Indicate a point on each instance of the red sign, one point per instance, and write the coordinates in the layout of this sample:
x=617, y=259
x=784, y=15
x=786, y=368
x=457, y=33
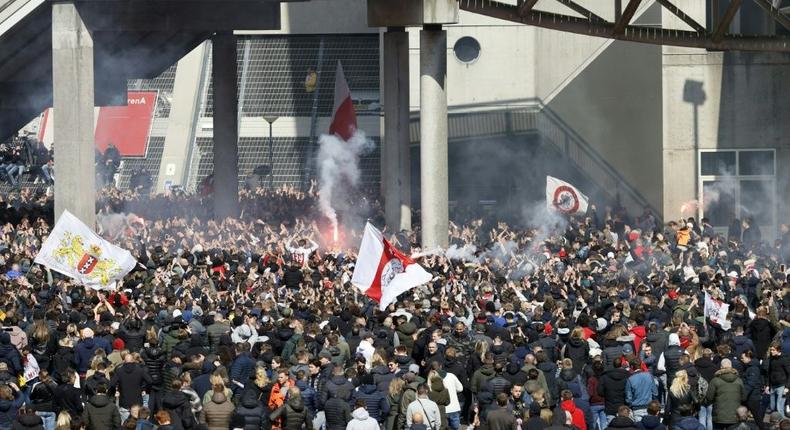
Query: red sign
x=127, y=127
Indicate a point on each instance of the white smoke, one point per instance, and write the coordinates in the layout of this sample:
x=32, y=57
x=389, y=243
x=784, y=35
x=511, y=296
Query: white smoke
x=338, y=166
x=462, y=253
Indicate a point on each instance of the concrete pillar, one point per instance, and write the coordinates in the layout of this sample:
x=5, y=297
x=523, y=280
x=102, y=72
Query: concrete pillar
x=184, y=111
x=226, y=134
x=433, y=132
x=395, y=157
x=73, y=101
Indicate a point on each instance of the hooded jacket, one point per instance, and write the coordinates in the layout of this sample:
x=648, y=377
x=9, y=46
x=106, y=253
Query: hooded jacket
x=154, y=358
x=650, y=422
x=725, y=393
x=101, y=414
x=217, y=412
x=611, y=387
x=10, y=355
x=295, y=415
x=29, y=422
x=180, y=409
x=8, y=410
x=577, y=415
x=85, y=351
x=131, y=379
x=361, y=420
x=578, y=350
x=622, y=423
x=481, y=376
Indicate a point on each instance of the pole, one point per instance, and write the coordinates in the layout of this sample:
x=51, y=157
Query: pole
x=271, y=158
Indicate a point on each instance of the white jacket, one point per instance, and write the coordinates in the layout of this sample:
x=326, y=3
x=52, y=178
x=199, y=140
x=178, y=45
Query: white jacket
x=361, y=420
x=367, y=350
x=454, y=386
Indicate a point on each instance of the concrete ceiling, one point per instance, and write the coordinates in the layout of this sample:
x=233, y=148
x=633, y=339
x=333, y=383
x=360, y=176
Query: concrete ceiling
x=133, y=39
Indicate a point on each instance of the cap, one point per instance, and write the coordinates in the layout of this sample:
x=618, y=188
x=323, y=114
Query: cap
x=408, y=377
x=118, y=344
x=414, y=368
x=325, y=354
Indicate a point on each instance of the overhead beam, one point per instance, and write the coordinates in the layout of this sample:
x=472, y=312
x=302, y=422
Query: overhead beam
x=526, y=6
x=633, y=33
x=581, y=10
x=775, y=13
x=682, y=15
x=174, y=15
x=724, y=24
x=628, y=14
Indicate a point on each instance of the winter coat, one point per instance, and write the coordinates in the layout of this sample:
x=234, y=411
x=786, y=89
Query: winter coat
x=502, y=419
x=9, y=409
x=392, y=418
x=672, y=410
x=131, y=379
x=577, y=415
x=752, y=379
x=514, y=374
x=294, y=414
x=742, y=344
x=63, y=360
x=650, y=422
x=361, y=420
x=762, y=333
x=154, y=358
x=29, y=422
x=622, y=423
x=133, y=339
x=481, y=376
x=611, y=387
x=85, y=351
x=217, y=412
x=338, y=386
x=441, y=396
x=382, y=377
x=725, y=393
x=42, y=396
x=658, y=340
x=578, y=350
x=69, y=398
x=241, y=369
x=215, y=332
x=706, y=368
x=10, y=355
x=778, y=370
x=498, y=384
x=535, y=423
x=101, y=414
x=689, y=423
x=375, y=401
x=337, y=413
x=255, y=417
x=180, y=409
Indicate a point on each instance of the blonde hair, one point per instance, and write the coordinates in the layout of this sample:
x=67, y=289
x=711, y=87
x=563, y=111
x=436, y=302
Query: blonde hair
x=396, y=387
x=546, y=415
x=63, y=422
x=261, y=379
x=216, y=379
x=680, y=385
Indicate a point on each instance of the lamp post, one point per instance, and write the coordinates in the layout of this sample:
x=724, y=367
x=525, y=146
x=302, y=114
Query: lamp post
x=270, y=119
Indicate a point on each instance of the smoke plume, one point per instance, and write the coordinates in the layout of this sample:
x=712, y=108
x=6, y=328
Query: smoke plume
x=338, y=167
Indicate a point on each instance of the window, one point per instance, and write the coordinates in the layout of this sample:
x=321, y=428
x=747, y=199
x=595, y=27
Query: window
x=736, y=184
x=467, y=49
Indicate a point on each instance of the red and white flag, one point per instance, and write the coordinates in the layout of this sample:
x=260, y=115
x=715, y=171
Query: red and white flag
x=344, y=119
x=382, y=272
x=564, y=197
x=716, y=310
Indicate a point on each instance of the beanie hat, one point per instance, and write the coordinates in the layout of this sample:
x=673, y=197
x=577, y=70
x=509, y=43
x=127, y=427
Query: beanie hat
x=118, y=344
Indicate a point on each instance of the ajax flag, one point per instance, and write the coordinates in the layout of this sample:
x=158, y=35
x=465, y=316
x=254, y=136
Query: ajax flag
x=717, y=311
x=76, y=251
x=382, y=272
x=564, y=197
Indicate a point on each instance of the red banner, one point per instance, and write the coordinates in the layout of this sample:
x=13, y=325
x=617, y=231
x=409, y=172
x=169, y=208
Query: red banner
x=127, y=127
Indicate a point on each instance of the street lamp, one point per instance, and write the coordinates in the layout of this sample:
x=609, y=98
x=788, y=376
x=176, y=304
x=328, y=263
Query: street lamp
x=270, y=119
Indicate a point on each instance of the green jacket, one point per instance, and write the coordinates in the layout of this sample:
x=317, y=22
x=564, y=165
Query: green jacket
x=481, y=376
x=725, y=393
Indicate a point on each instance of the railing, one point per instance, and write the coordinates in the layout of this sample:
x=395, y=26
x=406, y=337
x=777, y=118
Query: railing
x=532, y=116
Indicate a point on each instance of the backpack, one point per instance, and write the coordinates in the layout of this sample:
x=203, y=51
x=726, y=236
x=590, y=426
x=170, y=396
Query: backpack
x=702, y=390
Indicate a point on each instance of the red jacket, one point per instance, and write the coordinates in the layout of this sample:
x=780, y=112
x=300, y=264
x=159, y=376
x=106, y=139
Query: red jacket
x=577, y=415
x=639, y=333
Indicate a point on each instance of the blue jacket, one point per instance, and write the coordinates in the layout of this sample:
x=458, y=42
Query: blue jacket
x=242, y=368
x=375, y=401
x=85, y=350
x=640, y=390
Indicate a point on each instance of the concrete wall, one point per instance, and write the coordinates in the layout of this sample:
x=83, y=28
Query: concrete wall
x=742, y=102
x=615, y=105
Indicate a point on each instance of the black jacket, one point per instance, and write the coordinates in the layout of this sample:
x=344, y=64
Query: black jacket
x=778, y=370
x=131, y=379
x=69, y=399
x=101, y=414
x=253, y=412
x=612, y=388
x=154, y=359
x=338, y=414
x=177, y=403
x=42, y=396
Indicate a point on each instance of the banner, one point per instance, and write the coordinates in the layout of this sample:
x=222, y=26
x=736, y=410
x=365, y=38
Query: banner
x=76, y=251
x=126, y=127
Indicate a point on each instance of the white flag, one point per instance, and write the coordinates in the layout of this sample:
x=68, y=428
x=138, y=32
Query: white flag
x=76, y=251
x=564, y=197
x=717, y=311
x=382, y=272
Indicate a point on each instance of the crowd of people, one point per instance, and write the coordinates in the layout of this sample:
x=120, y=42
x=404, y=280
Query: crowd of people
x=26, y=155
x=581, y=323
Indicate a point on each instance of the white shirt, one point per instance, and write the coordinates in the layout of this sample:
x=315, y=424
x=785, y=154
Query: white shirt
x=300, y=255
x=367, y=351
